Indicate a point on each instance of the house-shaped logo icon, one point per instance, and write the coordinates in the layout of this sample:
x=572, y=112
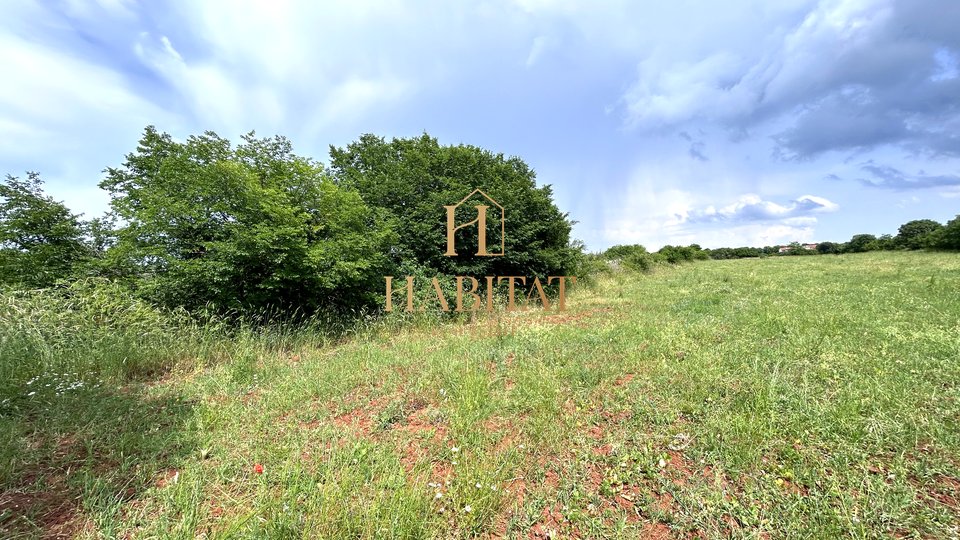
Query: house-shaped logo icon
x=480, y=222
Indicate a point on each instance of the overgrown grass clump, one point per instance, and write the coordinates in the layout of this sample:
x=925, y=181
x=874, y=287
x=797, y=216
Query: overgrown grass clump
x=91, y=329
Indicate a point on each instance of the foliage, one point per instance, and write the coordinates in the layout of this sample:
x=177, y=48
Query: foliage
x=643, y=262
x=917, y=234
x=679, y=254
x=829, y=248
x=242, y=229
x=949, y=236
x=41, y=241
x=623, y=252
x=860, y=243
x=412, y=179
x=735, y=253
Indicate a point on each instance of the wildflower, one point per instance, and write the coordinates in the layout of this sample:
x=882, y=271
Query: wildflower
x=662, y=463
x=455, y=449
x=479, y=485
x=493, y=487
x=468, y=509
x=454, y=462
x=438, y=495
x=258, y=468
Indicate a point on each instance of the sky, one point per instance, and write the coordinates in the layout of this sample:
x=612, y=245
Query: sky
x=743, y=122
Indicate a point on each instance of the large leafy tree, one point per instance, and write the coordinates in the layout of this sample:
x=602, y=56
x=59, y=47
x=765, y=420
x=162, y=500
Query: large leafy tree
x=247, y=227
x=917, y=233
x=41, y=241
x=949, y=236
x=862, y=242
x=413, y=179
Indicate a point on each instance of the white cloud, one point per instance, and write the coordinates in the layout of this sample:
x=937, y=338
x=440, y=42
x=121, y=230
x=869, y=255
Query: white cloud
x=753, y=208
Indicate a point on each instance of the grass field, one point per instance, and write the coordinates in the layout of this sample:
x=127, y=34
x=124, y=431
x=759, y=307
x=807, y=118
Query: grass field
x=788, y=397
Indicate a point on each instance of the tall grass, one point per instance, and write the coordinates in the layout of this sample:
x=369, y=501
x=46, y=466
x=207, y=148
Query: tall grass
x=95, y=330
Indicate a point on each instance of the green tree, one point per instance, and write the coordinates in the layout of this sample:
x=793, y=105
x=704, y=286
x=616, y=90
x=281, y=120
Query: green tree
x=412, y=179
x=828, y=247
x=41, y=241
x=949, y=236
x=917, y=234
x=861, y=243
x=242, y=228
x=884, y=242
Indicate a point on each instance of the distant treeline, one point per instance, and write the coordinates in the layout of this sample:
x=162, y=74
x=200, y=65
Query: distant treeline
x=917, y=234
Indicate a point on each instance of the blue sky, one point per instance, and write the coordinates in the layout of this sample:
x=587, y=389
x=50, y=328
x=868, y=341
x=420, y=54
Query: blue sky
x=746, y=122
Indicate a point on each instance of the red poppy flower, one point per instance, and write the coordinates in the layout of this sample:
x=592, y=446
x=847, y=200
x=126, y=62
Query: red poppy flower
x=258, y=468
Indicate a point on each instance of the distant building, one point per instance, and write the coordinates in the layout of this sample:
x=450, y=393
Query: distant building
x=786, y=249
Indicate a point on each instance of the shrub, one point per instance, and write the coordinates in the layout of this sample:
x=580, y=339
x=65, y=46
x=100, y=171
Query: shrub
x=643, y=262
x=621, y=252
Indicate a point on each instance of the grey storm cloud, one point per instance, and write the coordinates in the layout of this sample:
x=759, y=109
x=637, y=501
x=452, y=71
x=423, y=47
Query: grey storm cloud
x=849, y=75
x=752, y=208
x=883, y=176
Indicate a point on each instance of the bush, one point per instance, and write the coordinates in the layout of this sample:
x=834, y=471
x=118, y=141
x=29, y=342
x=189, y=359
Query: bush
x=591, y=267
x=679, y=254
x=621, y=252
x=642, y=262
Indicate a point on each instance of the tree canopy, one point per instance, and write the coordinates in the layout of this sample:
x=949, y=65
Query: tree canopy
x=241, y=228
x=917, y=233
x=412, y=179
x=41, y=241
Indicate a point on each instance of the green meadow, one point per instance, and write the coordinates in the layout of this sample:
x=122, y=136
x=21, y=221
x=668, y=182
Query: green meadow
x=783, y=397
